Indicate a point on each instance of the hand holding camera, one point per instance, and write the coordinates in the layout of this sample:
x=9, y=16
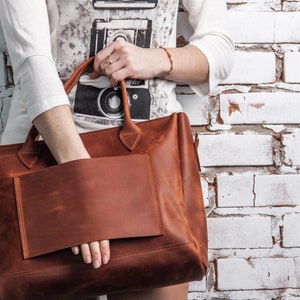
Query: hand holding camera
x=117, y=61
x=121, y=60
x=122, y=51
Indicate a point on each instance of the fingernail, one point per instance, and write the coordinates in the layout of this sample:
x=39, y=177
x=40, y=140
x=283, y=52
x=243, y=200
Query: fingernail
x=105, y=259
x=87, y=259
x=96, y=264
x=75, y=250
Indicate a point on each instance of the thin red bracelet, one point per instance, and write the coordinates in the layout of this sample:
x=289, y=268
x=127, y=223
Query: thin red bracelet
x=171, y=62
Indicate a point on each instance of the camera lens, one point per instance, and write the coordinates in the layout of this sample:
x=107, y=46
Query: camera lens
x=126, y=35
x=110, y=103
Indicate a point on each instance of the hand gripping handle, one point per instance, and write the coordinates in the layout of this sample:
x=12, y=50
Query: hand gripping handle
x=130, y=133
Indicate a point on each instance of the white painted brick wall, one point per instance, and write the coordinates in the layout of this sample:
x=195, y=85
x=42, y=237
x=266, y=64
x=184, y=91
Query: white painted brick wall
x=252, y=27
x=197, y=107
x=291, y=230
x=253, y=67
x=239, y=232
x=226, y=150
x=292, y=67
x=265, y=27
x=260, y=108
x=287, y=27
x=258, y=190
x=291, y=143
x=262, y=273
x=277, y=190
x=235, y=191
x=249, y=152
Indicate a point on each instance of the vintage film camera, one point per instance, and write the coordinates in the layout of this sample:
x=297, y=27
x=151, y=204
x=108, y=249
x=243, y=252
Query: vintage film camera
x=137, y=32
x=101, y=100
x=125, y=4
x=106, y=103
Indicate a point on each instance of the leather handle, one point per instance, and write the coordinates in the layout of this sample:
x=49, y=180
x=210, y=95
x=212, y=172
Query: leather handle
x=130, y=133
x=74, y=78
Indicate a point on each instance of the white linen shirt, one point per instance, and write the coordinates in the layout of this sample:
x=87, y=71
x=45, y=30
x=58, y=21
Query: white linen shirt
x=32, y=29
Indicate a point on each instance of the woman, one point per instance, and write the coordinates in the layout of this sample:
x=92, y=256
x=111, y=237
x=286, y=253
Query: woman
x=133, y=40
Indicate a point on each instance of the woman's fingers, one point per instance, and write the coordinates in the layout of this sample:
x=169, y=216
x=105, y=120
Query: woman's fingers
x=105, y=251
x=121, y=60
x=76, y=250
x=95, y=253
x=86, y=253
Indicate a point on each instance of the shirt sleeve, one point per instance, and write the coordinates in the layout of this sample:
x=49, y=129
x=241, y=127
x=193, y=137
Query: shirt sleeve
x=28, y=37
x=208, y=19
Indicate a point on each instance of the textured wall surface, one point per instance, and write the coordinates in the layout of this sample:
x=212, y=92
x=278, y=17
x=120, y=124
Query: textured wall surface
x=249, y=151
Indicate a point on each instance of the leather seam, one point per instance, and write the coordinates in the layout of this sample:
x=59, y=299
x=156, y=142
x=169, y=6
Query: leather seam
x=21, y=217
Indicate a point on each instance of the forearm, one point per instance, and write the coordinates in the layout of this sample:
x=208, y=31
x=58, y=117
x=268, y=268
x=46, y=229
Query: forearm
x=57, y=128
x=190, y=65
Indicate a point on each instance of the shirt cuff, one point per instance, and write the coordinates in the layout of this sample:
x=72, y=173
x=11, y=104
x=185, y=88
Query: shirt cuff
x=40, y=86
x=35, y=110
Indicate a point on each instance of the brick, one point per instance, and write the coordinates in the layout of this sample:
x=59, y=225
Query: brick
x=291, y=6
x=235, y=150
x=253, y=67
x=255, y=5
x=287, y=27
x=277, y=190
x=235, y=191
x=291, y=143
x=292, y=67
x=291, y=229
x=265, y=27
x=255, y=274
x=239, y=232
x=257, y=108
x=196, y=107
x=204, y=187
x=252, y=27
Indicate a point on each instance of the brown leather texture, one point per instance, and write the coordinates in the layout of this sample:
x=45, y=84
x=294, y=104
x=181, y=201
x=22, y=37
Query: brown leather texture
x=156, y=168
x=68, y=196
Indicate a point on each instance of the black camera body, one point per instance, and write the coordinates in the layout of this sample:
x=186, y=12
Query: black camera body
x=124, y=4
x=137, y=32
x=103, y=101
x=106, y=103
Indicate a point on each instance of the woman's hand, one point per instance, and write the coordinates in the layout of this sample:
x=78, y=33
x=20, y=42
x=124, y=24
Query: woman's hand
x=95, y=253
x=121, y=60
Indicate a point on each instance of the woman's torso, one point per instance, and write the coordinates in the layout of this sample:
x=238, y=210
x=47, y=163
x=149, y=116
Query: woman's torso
x=85, y=28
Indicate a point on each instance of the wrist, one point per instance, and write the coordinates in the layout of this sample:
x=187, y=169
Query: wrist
x=168, y=63
x=70, y=154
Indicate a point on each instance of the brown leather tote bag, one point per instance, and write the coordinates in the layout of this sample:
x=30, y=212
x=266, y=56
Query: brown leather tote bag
x=141, y=190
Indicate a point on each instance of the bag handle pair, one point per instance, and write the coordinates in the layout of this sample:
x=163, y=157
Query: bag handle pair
x=130, y=134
